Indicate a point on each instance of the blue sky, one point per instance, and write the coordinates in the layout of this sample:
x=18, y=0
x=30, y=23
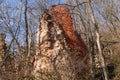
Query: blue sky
x=16, y=2
x=61, y=1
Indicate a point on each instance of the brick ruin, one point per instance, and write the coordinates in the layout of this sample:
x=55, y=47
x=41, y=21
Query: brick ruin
x=61, y=54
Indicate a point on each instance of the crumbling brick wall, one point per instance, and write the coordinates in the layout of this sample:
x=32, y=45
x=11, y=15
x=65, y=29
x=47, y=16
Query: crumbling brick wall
x=61, y=54
x=62, y=16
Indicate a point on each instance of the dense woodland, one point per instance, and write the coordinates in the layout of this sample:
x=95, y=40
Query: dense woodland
x=97, y=21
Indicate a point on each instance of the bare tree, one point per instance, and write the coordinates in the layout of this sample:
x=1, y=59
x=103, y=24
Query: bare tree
x=98, y=40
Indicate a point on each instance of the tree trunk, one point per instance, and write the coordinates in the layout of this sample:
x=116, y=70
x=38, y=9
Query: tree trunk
x=2, y=53
x=98, y=41
x=2, y=46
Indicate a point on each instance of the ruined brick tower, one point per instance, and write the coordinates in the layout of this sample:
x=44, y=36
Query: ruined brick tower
x=61, y=54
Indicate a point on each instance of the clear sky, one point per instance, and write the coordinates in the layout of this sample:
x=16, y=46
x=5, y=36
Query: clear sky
x=61, y=1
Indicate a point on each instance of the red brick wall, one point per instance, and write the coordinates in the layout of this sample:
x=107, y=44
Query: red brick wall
x=62, y=16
